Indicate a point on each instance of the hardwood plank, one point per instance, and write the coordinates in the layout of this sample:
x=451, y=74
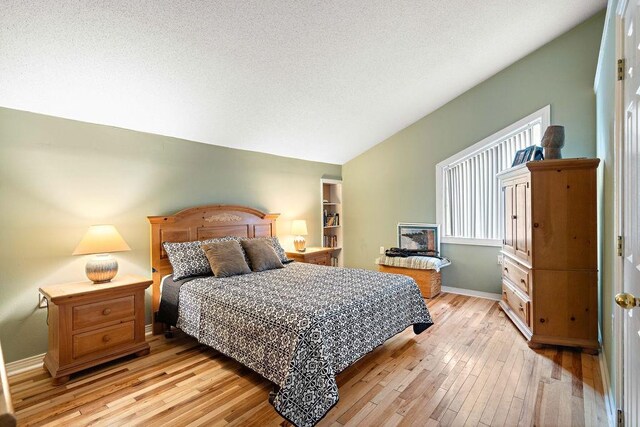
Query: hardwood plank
x=491, y=407
x=447, y=418
x=514, y=412
x=504, y=404
x=425, y=406
x=600, y=412
x=361, y=415
x=577, y=411
x=538, y=379
x=383, y=411
x=588, y=390
x=576, y=375
x=359, y=404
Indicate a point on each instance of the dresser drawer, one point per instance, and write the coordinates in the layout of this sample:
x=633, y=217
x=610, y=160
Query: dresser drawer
x=516, y=274
x=98, y=313
x=518, y=305
x=102, y=339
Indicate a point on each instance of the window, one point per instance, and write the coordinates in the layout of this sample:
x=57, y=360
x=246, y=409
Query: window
x=468, y=199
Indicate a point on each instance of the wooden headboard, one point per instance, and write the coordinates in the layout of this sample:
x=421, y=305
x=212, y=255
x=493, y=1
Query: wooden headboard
x=201, y=223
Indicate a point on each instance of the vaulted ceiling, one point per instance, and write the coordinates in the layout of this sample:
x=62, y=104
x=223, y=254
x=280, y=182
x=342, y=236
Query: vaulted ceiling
x=316, y=80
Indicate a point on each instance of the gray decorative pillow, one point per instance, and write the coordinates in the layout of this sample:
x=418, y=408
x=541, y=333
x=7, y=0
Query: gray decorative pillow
x=226, y=258
x=276, y=246
x=262, y=255
x=188, y=258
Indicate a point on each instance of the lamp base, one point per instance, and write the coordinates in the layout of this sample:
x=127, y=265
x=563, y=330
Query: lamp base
x=101, y=268
x=300, y=244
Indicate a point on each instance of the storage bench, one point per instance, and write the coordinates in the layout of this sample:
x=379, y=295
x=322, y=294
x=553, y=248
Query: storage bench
x=424, y=270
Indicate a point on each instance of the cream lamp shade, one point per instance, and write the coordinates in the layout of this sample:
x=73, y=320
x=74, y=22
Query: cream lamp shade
x=100, y=240
x=299, y=229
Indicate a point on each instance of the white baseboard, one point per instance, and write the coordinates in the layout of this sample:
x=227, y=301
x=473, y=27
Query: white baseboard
x=23, y=365
x=472, y=293
x=609, y=398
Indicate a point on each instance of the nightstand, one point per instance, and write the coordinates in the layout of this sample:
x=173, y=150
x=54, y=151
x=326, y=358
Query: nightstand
x=90, y=324
x=320, y=256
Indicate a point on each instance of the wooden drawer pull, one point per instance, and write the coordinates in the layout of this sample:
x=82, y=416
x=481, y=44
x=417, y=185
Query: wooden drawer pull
x=106, y=338
x=521, y=307
x=524, y=282
x=106, y=311
x=506, y=269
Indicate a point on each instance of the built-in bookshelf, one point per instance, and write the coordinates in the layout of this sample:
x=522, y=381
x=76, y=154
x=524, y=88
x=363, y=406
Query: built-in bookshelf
x=332, y=232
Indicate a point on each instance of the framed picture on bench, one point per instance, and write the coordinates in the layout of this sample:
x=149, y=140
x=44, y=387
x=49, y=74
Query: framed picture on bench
x=421, y=236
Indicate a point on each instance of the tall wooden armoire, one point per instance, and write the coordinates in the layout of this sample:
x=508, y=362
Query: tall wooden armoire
x=549, y=271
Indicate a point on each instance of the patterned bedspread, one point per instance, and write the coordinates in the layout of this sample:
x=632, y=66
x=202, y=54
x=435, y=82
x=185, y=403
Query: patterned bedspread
x=301, y=325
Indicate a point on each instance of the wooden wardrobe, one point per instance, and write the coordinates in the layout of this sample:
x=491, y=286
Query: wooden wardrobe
x=549, y=271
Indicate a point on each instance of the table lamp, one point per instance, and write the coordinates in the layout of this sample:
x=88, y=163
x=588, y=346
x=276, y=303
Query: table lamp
x=299, y=229
x=98, y=241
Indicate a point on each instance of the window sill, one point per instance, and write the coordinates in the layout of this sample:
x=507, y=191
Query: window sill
x=474, y=242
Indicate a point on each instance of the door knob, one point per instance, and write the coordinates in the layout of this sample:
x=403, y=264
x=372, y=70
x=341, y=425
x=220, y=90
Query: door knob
x=627, y=301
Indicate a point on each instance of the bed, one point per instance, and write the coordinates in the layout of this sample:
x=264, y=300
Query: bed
x=298, y=326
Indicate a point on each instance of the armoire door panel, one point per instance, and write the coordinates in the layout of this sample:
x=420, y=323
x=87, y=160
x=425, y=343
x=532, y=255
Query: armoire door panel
x=565, y=220
x=508, y=245
x=522, y=213
x=565, y=304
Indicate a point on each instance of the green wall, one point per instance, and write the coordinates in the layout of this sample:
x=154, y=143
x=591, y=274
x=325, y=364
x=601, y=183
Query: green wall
x=59, y=176
x=395, y=180
x=605, y=102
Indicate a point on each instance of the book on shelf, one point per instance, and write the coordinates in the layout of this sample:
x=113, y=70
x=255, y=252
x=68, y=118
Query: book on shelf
x=331, y=219
x=330, y=241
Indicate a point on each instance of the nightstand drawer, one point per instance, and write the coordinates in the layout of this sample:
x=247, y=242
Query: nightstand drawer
x=102, y=339
x=320, y=259
x=98, y=313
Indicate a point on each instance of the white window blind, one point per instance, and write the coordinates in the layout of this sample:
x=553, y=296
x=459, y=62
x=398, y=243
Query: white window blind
x=469, y=198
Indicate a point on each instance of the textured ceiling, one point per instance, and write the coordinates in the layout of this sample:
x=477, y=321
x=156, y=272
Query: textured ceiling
x=317, y=80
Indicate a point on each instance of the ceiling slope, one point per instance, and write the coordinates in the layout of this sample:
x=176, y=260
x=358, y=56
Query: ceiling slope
x=315, y=80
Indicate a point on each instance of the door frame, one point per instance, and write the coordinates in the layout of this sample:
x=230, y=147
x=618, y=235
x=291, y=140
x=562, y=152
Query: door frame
x=618, y=139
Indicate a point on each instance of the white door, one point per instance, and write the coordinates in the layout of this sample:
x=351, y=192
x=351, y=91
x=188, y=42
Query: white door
x=629, y=165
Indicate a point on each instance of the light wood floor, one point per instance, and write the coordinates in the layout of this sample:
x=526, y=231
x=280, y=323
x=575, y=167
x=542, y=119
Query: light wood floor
x=471, y=368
